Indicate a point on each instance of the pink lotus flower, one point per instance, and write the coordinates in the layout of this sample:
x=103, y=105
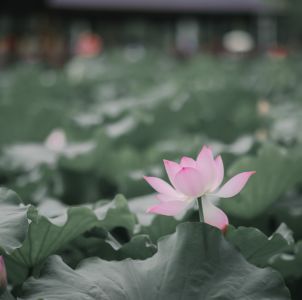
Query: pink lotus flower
x=3, y=276
x=192, y=179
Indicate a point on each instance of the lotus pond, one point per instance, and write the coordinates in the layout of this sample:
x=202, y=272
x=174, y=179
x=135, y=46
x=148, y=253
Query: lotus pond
x=76, y=143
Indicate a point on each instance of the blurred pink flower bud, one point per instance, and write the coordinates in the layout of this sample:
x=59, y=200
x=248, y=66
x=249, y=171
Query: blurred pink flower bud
x=56, y=141
x=3, y=276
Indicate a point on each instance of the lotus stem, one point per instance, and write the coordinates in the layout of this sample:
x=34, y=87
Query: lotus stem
x=200, y=210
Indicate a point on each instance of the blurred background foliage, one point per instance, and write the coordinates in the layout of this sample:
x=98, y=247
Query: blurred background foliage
x=78, y=130
x=114, y=120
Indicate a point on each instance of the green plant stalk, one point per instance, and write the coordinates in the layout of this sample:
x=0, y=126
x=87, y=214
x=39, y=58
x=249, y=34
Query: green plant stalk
x=200, y=210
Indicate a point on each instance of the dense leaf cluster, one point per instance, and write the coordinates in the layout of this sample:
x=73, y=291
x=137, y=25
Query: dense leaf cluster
x=120, y=121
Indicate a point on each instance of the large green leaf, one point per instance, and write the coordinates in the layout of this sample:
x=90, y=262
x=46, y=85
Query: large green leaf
x=289, y=211
x=256, y=247
x=139, y=247
x=160, y=226
x=277, y=170
x=196, y=262
x=289, y=264
x=115, y=213
x=13, y=221
x=47, y=234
